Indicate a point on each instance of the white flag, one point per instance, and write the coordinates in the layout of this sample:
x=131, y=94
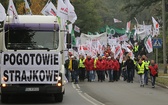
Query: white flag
x=2, y=13
x=117, y=51
x=117, y=21
x=72, y=17
x=148, y=44
x=12, y=12
x=27, y=8
x=128, y=26
x=121, y=56
x=62, y=10
x=77, y=29
x=49, y=9
x=155, y=27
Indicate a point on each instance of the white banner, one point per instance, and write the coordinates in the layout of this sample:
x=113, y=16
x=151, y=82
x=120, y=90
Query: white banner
x=102, y=38
x=30, y=67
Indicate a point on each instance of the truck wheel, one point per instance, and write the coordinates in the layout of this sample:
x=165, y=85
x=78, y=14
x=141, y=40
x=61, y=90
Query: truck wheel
x=4, y=98
x=58, y=97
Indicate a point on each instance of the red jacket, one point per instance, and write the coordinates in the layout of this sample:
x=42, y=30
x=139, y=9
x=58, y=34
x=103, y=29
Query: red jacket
x=89, y=64
x=101, y=65
x=153, y=69
x=110, y=65
x=116, y=65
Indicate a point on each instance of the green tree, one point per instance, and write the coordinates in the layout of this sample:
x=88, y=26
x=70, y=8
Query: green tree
x=88, y=17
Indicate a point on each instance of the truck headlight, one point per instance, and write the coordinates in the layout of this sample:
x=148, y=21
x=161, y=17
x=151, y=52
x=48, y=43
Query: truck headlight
x=3, y=85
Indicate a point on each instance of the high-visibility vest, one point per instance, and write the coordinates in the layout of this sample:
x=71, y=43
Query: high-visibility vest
x=136, y=48
x=95, y=62
x=147, y=65
x=141, y=68
x=81, y=63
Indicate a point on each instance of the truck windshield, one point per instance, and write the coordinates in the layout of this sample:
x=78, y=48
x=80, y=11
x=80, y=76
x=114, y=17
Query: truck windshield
x=31, y=36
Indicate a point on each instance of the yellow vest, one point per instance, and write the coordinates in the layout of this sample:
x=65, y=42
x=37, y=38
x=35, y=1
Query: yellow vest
x=147, y=65
x=81, y=63
x=95, y=62
x=70, y=65
x=141, y=68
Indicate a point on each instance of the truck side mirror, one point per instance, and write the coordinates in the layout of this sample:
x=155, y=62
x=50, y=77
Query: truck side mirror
x=68, y=41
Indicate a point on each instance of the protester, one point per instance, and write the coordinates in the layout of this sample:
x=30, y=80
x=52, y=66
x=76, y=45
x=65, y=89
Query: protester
x=115, y=69
x=81, y=68
x=110, y=68
x=141, y=69
x=153, y=72
x=124, y=69
x=67, y=71
x=100, y=64
x=89, y=65
x=147, y=63
x=130, y=68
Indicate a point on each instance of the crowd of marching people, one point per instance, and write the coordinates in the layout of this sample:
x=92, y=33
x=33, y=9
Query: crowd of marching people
x=106, y=66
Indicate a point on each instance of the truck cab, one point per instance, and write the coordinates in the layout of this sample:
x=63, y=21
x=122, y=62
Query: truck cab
x=31, y=53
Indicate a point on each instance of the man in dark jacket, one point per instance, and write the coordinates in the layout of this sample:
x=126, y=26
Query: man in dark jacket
x=130, y=67
x=72, y=65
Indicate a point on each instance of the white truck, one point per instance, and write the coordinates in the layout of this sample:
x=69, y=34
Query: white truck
x=31, y=53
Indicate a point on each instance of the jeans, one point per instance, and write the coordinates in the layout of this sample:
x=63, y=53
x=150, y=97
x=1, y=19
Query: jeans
x=110, y=72
x=130, y=75
x=72, y=76
x=102, y=75
x=124, y=73
x=141, y=79
x=90, y=75
x=67, y=72
x=146, y=77
x=153, y=79
x=76, y=73
x=81, y=74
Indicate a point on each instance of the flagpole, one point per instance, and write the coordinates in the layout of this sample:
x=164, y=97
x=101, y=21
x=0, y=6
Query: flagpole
x=157, y=55
x=164, y=37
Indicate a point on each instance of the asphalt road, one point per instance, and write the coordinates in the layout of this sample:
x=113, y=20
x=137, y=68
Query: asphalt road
x=101, y=93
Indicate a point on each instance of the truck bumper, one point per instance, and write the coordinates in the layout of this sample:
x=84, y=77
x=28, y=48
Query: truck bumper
x=28, y=89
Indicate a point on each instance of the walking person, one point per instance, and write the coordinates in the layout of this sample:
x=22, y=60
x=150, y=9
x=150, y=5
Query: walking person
x=81, y=68
x=141, y=69
x=100, y=65
x=89, y=65
x=147, y=63
x=130, y=67
x=110, y=69
x=124, y=69
x=153, y=72
x=115, y=69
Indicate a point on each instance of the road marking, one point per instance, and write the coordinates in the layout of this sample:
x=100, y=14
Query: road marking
x=94, y=99
x=87, y=99
x=86, y=96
